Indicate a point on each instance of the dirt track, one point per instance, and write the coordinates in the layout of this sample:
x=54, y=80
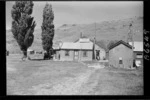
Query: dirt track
x=69, y=78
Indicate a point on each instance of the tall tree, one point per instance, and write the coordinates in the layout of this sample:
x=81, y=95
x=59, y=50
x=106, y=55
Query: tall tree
x=47, y=29
x=111, y=42
x=23, y=24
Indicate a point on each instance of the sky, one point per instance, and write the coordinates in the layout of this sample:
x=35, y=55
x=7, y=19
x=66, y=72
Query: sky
x=81, y=12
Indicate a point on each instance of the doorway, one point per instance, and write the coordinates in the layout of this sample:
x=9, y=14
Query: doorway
x=97, y=54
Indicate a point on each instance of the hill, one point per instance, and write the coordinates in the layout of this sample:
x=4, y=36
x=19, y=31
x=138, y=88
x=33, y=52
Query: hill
x=105, y=32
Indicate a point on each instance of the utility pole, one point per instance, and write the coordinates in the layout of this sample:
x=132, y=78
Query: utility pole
x=130, y=38
x=95, y=42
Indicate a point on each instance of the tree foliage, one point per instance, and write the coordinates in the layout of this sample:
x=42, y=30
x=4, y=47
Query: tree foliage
x=23, y=24
x=47, y=28
x=111, y=42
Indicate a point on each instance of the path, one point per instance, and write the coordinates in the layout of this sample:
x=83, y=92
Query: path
x=69, y=86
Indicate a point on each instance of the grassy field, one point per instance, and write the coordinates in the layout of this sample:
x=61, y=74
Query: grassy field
x=45, y=77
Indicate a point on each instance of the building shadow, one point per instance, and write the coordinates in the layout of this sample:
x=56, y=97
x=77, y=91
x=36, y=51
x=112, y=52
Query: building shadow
x=37, y=59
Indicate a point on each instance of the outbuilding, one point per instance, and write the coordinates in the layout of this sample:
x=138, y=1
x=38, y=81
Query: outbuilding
x=121, y=55
x=30, y=51
x=138, y=53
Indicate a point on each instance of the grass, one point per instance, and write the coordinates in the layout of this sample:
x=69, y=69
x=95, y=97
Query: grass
x=121, y=81
x=22, y=76
x=29, y=73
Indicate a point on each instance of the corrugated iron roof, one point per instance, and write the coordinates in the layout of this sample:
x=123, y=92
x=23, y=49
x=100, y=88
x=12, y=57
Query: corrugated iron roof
x=88, y=40
x=71, y=45
x=138, y=46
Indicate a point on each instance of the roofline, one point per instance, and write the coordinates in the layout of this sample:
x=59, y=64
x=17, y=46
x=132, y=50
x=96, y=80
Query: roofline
x=120, y=42
x=75, y=49
x=137, y=41
x=138, y=51
x=76, y=40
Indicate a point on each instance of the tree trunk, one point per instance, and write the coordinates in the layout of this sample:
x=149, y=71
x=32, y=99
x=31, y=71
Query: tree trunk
x=47, y=55
x=24, y=55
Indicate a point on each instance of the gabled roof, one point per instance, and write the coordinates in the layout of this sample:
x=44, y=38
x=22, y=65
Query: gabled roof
x=138, y=46
x=99, y=44
x=118, y=43
x=71, y=45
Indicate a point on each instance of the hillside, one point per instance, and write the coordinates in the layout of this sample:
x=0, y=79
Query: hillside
x=105, y=31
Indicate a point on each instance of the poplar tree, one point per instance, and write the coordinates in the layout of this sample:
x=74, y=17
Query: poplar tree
x=47, y=30
x=23, y=24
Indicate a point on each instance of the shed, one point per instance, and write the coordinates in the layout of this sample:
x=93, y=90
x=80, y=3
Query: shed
x=138, y=52
x=121, y=55
x=30, y=51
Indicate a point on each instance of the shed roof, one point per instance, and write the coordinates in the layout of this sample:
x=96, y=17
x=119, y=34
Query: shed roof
x=71, y=45
x=138, y=46
x=118, y=43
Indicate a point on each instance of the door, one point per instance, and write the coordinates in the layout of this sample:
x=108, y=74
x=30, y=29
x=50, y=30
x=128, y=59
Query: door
x=76, y=55
x=98, y=54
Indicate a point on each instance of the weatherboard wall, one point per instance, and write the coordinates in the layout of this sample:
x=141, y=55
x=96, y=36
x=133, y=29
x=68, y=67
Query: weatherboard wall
x=88, y=57
x=102, y=53
x=63, y=57
x=71, y=56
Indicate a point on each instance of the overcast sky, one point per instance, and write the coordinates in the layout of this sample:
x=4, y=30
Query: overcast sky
x=82, y=12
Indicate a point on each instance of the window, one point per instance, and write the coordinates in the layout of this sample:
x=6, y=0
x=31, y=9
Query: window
x=139, y=55
x=120, y=62
x=84, y=53
x=67, y=53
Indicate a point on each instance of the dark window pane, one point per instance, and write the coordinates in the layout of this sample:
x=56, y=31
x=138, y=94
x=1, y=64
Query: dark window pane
x=67, y=53
x=84, y=53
